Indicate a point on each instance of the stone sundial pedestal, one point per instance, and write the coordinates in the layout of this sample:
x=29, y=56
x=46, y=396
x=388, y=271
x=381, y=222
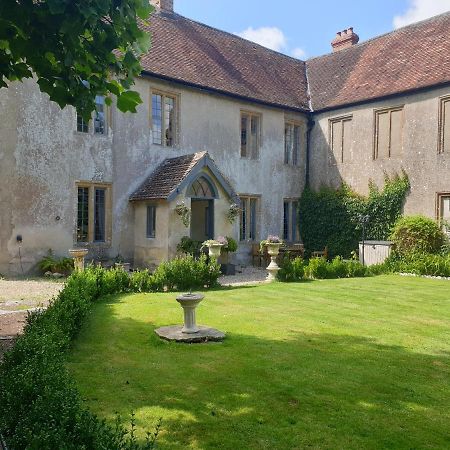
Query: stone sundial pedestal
x=190, y=332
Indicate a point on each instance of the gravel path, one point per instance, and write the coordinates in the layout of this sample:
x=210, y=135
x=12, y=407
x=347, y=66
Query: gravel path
x=16, y=298
x=248, y=276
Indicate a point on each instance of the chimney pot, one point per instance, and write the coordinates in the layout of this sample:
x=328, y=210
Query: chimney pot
x=344, y=39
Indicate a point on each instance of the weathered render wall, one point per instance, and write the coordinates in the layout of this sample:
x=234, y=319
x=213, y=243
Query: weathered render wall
x=206, y=122
x=43, y=156
x=429, y=172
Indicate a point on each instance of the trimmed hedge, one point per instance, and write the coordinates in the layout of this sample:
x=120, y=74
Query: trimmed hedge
x=40, y=405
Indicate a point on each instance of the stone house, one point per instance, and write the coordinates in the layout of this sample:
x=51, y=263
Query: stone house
x=223, y=121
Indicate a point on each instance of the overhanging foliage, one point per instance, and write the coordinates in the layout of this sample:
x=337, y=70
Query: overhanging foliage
x=66, y=43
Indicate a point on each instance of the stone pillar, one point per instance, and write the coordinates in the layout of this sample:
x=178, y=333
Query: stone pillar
x=189, y=303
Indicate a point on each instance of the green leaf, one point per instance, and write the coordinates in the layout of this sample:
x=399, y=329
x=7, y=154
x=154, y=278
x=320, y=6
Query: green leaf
x=128, y=101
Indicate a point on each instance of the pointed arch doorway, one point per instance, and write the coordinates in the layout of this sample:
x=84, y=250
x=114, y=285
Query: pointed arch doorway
x=203, y=194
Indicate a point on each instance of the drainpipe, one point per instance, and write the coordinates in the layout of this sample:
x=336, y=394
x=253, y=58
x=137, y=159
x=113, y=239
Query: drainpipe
x=311, y=124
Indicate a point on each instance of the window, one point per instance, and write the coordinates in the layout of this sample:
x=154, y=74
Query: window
x=93, y=212
x=151, y=221
x=388, y=133
x=248, y=222
x=443, y=210
x=341, y=138
x=290, y=223
x=444, y=125
x=83, y=126
x=164, y=119
x=250, y=135
x=292, y=136
x=99, y=115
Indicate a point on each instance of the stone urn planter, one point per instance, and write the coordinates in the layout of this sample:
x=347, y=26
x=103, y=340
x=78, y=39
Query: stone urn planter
x=189, y=303
x=78, y=255
x=214, y=250
x=273, y=245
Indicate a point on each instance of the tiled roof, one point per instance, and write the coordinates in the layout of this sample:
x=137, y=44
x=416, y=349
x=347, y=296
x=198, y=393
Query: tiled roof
x=414, y=57
x=167, y=177
x=187, y=51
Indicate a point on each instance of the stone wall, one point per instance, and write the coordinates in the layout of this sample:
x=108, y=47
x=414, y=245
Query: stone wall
x=43, y=156
x=428, y=171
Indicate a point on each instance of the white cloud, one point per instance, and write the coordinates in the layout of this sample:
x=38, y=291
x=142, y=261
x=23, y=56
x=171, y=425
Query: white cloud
x=270, y=37
x=298, y=53
x=273, y=38
x=420, y=10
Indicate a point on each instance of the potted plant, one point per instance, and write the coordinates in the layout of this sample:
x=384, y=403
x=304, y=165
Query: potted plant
x=230, y=246
x=233, y=212
x=273, y=244
x=214, y=247
x=184, y=212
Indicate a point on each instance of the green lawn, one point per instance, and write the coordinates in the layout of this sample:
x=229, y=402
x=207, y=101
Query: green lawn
x=336, y=364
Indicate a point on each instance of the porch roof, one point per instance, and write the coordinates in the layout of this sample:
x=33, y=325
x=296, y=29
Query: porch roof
x=173, y=174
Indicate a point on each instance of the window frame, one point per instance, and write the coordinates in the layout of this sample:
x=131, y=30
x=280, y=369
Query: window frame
x=292, y=228
x=341, y=120
x=92, y=186
x=252, y=221
x=442, y=120
x=377, y=113
x=175, y=134
x=90, y=125
x=249, y=139
x=148, y=229
x=295, y=162
x=439, y=198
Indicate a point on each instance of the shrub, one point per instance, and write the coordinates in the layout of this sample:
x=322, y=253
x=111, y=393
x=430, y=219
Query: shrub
x=41, y=407
x=188, y=246
x=50, y=263
x=188, y=273
x=329, y=218
x=291, y=270
x=417, y=234
x=318, y=268
x=420, y=264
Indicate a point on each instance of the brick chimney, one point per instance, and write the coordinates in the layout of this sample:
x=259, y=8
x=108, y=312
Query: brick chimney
x=344, y=39
x=165, y=5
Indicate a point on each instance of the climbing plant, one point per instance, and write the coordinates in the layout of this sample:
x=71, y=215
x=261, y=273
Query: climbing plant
x=330, y=217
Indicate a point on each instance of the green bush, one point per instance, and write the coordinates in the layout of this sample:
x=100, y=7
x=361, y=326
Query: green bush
x=420, y=264
x=189, y=247
x=40, y=405
x=188, y=273
x=329, y=218
x=291, y=270
x=50, y=263
x=320, y=268
x=417, y=234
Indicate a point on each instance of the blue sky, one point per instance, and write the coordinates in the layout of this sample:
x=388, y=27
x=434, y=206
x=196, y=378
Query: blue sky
x=305, y=28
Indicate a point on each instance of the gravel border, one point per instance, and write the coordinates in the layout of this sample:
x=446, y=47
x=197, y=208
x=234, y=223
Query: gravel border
x=431, y=277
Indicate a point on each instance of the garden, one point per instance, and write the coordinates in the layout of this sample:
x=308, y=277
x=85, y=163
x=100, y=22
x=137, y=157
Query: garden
x=333, y=354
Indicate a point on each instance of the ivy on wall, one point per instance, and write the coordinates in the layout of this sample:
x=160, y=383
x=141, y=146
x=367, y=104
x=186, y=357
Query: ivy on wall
x=331, y=217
